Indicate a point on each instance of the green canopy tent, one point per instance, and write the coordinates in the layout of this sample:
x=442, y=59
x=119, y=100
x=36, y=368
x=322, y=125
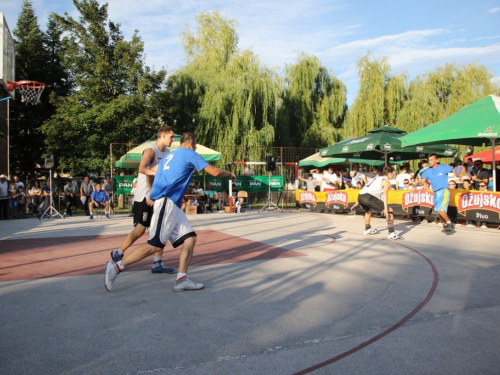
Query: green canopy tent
x=133, y=157
x=316, y=160
x=384, y=143
x=474, y=125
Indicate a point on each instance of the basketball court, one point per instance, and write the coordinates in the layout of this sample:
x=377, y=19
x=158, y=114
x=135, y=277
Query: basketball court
x=285, y=293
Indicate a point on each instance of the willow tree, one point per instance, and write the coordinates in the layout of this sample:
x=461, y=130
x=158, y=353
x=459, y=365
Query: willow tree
x=237, y=95
x=442, y=92
x=313, y=105
x=380, y=96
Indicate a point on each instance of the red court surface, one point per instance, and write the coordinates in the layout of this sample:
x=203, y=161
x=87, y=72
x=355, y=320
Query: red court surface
x=38, y=258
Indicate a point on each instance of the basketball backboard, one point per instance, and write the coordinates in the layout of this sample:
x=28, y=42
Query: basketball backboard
x=7, y=55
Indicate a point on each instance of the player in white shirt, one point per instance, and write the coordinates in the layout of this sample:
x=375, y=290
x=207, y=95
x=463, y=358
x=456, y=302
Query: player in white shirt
x=374, y=198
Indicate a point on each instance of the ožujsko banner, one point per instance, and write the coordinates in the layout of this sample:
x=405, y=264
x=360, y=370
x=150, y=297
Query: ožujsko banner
x=470, y=205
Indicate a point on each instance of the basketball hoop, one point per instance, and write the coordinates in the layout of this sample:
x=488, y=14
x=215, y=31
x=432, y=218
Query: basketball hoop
x=30, y=91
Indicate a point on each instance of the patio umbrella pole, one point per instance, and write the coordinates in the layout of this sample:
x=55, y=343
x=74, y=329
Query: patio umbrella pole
x=493, y=164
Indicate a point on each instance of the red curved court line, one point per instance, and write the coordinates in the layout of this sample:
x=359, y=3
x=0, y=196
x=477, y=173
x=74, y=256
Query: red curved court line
x=387, y=331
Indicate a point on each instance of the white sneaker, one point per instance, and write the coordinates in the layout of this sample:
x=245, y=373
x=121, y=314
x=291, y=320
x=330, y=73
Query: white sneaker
x=110, y=275
x=186, y=284
x=484, y=226
x=369, y=232
x=393, y=236
x=470, y=225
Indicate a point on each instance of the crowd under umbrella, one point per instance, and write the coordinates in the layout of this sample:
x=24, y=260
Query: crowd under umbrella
x=316, y=160
x=477, y=124
x=485, y=156
x=384, y=143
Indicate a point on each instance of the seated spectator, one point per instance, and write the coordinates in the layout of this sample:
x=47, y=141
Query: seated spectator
x=479, y=174
x=98, y=199
x=36, y=194
x=197, y=190
x=70, y=196
x=408, y=185
x=348, y=185
x=21, y=202
x=317, y=177
x=360, y=185
x=212, y=197
x=452, y=184
x=402, y=176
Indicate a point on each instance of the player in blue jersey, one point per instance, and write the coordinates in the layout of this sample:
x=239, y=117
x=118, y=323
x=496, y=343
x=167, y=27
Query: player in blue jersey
x=169, y=222
x=437, y=175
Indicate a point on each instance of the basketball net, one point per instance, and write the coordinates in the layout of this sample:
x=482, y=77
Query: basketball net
x=30, y=91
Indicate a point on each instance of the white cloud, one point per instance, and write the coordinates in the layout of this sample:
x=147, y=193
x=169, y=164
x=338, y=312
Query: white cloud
x=494, y=10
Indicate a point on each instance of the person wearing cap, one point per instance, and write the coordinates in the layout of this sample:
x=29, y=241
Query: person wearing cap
x=4, y=198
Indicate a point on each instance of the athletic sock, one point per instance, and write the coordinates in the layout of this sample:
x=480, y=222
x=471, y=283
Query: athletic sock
x=367, y=226
x=119, y=266
x=120, y=252
x=156, y=259
x=180, y=276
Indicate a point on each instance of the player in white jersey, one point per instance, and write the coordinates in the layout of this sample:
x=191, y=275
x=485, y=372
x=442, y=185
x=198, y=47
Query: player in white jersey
x=374, y=197
x=143, y=205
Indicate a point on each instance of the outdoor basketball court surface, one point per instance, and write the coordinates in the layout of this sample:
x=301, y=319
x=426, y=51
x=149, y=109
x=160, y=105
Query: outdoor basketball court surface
x=285, y=293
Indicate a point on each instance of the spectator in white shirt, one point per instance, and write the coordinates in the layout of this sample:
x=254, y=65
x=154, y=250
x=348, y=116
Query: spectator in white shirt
x=330, y=180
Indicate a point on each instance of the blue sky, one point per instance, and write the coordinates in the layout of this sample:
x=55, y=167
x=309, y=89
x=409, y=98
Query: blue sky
x=416, y=36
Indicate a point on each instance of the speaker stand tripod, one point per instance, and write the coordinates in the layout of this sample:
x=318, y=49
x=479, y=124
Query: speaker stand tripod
x=270, y=205
x=51, y=208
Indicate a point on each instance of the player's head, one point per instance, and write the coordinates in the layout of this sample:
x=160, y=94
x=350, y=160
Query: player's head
x=433, y=160
x=387, y=171
x=188, y=140
x=166, y=135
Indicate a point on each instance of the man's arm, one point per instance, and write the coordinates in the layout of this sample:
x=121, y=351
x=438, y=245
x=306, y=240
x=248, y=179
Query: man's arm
x=217, y=172
x=146, y=159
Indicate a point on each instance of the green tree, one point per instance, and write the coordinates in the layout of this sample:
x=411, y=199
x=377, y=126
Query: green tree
x=114, y=99
x=379, y=99
x=235, y=95
x=313, y=105
x=35, y=52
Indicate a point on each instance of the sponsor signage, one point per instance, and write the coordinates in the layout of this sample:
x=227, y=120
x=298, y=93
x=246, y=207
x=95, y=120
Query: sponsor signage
x=338, y=197
x=307, y=197
x=249, y=184
x=123, y=184
x=418, y=198
x=479, y=201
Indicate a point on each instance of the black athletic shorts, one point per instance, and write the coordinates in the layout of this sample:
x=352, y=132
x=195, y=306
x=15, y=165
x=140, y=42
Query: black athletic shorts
x=142, y=213
x=371, y=203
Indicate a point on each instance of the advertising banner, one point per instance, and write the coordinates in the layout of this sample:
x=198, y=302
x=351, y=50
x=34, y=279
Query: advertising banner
x=123, y=184
x=251, y=184
x=467, y=205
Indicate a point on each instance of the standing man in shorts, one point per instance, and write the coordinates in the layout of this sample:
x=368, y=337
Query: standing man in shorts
x=143, y=205
x=373, y=197
x=169, y=222
x=437, y=175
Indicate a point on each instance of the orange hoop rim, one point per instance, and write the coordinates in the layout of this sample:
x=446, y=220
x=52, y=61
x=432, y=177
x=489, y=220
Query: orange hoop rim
x=31, y=85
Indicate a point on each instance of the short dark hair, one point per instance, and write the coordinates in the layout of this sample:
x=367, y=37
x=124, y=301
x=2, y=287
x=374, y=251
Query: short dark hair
x=387, y=170
x=164, y=129
x=187, y=137
x=466, y=180
x=433, y=154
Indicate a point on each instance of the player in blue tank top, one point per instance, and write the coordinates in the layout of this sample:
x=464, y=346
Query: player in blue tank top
x=174, y=173
x=437, y=175
x=169, y=223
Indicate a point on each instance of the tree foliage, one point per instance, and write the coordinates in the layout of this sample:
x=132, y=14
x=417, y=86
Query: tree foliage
x=37, y=59
x=313, y=105
x=114, y=96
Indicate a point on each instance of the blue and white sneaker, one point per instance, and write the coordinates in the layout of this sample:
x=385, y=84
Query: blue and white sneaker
x=158, y=267
x=116, y=256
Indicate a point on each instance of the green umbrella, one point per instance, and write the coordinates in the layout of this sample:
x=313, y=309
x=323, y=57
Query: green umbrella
x=383, y=143
x=132, y=158
x=473, y=125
